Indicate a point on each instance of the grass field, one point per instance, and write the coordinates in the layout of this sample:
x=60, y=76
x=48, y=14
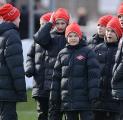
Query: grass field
x=27, y=110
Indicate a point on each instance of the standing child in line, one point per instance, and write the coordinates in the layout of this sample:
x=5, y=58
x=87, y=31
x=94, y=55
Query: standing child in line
x=98, y=37
x=12, y=77
x=94, y=44
x=52, y=42
x=35, y=67
x=106, y=52
x=76, y=76
x=117, y=79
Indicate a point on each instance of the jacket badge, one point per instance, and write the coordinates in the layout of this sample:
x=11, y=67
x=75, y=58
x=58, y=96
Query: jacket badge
x=80, y=57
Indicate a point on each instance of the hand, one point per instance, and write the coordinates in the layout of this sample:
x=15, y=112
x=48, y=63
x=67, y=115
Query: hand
x=52, y=17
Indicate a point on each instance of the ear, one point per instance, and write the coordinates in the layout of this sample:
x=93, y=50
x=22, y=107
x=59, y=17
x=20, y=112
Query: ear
x=1, y=18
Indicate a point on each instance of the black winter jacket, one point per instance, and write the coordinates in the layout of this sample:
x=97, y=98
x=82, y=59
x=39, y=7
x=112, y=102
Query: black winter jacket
x=75, y=79
x=35, y=68
x=106, y=56
x=12, y=79
x=52, y=43
x=95, y=41
x=117, y=80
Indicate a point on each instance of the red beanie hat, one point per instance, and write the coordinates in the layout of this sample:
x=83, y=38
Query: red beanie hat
x=8, y=12
x=61, y=13
x=115, y=25
x=104, y=20
x=46, y=16
x=73, y=27
x=120, y=10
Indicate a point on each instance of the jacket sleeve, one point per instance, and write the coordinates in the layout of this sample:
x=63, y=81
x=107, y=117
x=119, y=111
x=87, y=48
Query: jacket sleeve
x=55, y=86
x=14, y=60
x=93, y=76
x=118, y=67
x=118, y=72
x=30, y=62
x=43, y=37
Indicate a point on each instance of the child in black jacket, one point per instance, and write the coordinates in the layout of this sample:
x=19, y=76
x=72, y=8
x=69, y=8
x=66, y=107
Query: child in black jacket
x=12, y=80
x=106, y=56
x=98, y=37
x=76, y=76
x=35, y=67
x=117, y=79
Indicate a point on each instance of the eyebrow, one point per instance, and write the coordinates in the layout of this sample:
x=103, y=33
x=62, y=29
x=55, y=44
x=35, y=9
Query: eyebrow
x=60, y=22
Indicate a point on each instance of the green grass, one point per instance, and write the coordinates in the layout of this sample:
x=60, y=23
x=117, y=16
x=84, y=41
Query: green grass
x=27, y=110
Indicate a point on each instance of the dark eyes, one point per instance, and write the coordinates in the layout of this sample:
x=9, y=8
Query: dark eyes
x=110, y=30
x=100, y=25
x=120, y=16
x=73, y=36
x=60, y=23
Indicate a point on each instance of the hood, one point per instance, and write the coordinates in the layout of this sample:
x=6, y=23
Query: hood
x=6, y=26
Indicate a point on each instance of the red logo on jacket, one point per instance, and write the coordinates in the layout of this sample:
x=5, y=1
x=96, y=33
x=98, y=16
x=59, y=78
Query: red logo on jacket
x=80, y=57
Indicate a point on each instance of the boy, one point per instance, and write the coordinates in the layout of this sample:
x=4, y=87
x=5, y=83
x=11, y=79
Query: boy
x=117, y=84
x=75, y=78
x=52, y=42
x=12, y=80
x=106, y=56
x=101, y=28
x=35, y=67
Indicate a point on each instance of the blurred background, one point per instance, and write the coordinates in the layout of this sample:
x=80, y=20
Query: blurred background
x=85, y=12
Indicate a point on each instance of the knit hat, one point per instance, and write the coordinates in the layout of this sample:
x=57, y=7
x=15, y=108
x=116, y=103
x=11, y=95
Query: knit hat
x=120, y=9
x=61, y=13
x=73, y=27
x=115, y=25
x=9, y=12
x=46, y=16
x=104, y=20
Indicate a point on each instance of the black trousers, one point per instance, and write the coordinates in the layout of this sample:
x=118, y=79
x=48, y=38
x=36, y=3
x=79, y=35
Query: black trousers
x=56, y=115
x=8, y=111
x=121, y=111
x=42, y=107
x=104, y=115
x=79, y=115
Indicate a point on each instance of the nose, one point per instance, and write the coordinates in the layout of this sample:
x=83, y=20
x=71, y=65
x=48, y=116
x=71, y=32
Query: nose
x=60, y=25
x=99, y=27
x=109, y=33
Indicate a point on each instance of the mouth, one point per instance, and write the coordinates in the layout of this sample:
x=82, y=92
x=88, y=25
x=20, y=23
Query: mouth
x=73, y=42
x=60, y=29
x=109, y=37
x=100, y=31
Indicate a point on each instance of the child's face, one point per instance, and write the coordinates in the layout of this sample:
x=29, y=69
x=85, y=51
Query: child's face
x=101, y=30
x=73, y=38
x=120, y=17
x=42, y=23
x=60, y=25
x=111, y=36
